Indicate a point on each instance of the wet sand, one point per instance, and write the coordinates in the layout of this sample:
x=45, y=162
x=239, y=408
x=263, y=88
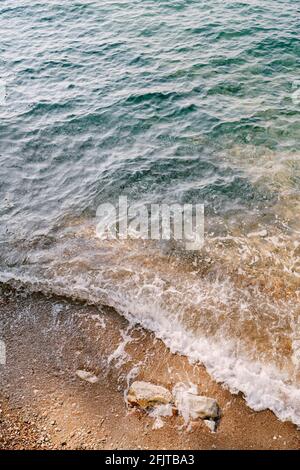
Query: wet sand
x=44, y=404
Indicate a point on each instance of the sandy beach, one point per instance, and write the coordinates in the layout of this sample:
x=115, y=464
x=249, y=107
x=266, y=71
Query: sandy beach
x=45, y=405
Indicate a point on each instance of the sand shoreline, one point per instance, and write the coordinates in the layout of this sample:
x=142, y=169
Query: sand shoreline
x=44, y=404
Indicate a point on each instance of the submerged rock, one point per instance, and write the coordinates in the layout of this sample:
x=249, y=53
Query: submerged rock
x=261, y=234
x=211, y=424
x=147, y=395
x=87, y=376
x=159, y=412
x=193, y=406
x=160, y=403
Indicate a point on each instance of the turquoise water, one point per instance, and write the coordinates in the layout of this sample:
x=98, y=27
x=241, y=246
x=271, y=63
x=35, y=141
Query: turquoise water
x=166, y=101
x=143, y=98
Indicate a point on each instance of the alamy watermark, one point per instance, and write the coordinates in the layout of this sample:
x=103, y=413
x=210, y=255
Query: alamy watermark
x=2, y=352
x=182, y=222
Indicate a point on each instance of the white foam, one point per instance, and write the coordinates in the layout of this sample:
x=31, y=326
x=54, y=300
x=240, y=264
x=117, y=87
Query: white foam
x=99, y=319
x=161, y=302
x=119, y=355
x=263, y=385
x=159, y=412
x=181, y=392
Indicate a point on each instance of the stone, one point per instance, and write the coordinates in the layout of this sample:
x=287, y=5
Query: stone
x=211, y=424
x=158, y=412
x=202, y=407
x=147, y=395
x=192, y=406
x=262, y=233
x=87, y=376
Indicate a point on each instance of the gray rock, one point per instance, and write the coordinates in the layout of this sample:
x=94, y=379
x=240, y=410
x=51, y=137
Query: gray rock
x=87, y=376
x=261, y=234
x=147, y=395
x=211, y=424
x=193, y=406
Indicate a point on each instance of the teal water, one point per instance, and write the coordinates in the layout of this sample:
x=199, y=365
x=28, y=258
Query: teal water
x=162, y=101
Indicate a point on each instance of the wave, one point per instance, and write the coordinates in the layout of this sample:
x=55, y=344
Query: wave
x=234, y=306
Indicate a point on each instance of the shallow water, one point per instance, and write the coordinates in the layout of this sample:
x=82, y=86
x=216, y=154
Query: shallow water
x=186, y=101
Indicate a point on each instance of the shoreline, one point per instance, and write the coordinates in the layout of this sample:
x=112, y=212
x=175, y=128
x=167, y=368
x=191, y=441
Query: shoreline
x=46, y=405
